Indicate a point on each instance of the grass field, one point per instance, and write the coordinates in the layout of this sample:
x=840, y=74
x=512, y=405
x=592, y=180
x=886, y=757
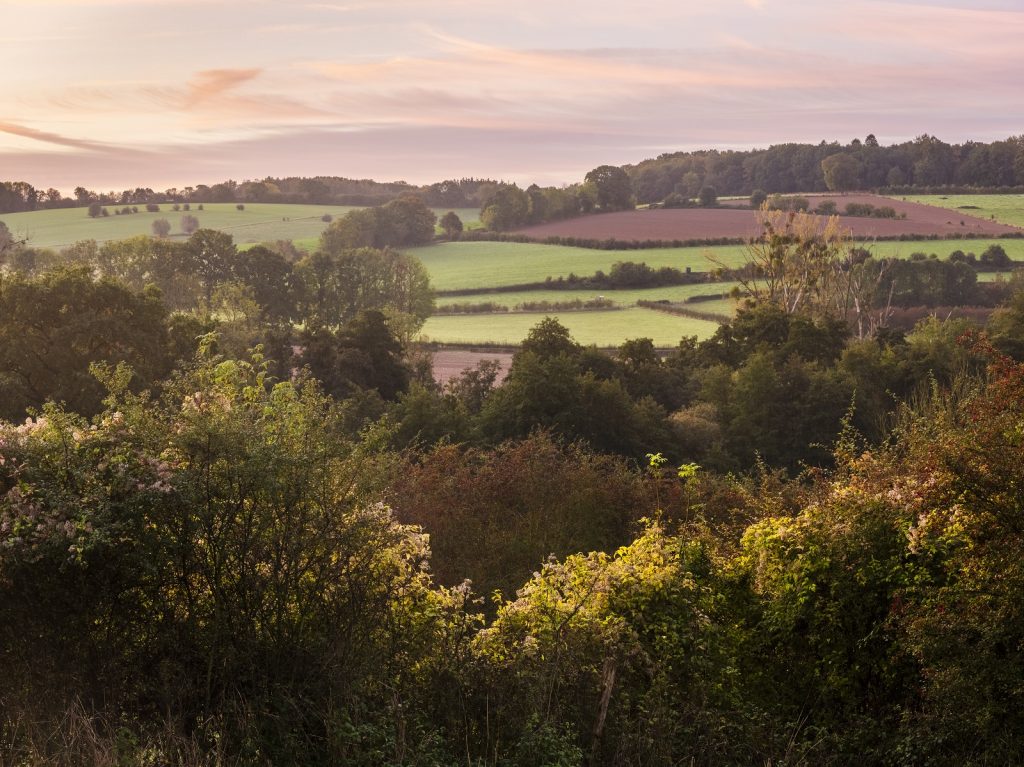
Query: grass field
x=1004, y=208
x=604, y=328
x=455, y=265
x=994, y=276
x=259, y=222
x=474, y=265
x=621, y=298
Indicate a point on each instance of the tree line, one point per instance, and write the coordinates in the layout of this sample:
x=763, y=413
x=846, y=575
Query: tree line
x=925, y=164
x=17, y=196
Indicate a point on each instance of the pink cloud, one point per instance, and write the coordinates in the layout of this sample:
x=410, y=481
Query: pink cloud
x=50, y=138
x=216, y=82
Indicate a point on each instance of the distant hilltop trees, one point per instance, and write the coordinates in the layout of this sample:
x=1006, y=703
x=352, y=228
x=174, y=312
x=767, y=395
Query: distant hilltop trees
x=926, y=164
x=17, y=196
x=923, y=165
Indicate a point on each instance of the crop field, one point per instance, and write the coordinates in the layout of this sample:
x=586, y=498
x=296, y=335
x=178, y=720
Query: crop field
x=726, y=221
x=603, y=328
x=258, y=222
x=621, y=298
x=1004, y=208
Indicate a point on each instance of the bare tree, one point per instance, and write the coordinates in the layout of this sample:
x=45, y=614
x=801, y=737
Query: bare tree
x=859, y=296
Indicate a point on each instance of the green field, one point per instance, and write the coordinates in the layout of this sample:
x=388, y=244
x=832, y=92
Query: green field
x=474, y=265
x=942, y=248
x=726, y=306
x=621, y=298
x=603, y=328
x=994, y=276
x=1004, y=208
x=455, y=265
x=259, y=222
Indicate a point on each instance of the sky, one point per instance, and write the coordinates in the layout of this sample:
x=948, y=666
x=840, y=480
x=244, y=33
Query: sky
x=115, y=94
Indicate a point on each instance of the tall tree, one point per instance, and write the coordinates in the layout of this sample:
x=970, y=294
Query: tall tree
x=505, y=208
x=614, y=190
x=335, y=288
x=451, y=225
x=214, y=258
x=842, y=172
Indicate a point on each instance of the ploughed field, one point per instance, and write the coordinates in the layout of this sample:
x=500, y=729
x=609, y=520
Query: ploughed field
x=450, y=363
x=728, y=221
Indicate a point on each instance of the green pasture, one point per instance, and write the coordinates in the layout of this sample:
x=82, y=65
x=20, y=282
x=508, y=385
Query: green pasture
x=476, y=265
x=621, y=298
x=998, y=276
x=603, y=328
x=258, y=222
x=455, y=265
x=724, y=306
x=942, y=248
x=1004, y=208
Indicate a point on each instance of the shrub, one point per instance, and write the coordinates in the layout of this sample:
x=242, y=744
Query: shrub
x=995, y=255
x=707, y=196
x=161, y=227
x=189, y=223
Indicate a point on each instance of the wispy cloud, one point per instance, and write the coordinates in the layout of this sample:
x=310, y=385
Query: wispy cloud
x=216, y=82
x=51, y=138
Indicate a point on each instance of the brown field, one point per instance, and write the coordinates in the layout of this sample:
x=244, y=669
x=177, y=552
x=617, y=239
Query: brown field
x=700, y=223
x=449, y=363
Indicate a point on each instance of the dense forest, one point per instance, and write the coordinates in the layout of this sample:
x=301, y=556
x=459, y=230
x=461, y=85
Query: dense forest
x=240, y=523
x=924, y=164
